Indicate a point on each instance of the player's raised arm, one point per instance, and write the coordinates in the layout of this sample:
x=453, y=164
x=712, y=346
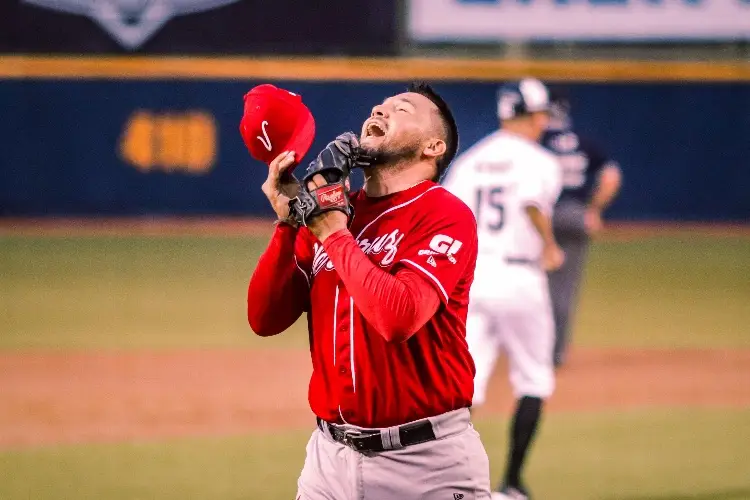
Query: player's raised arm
x=279, y=290
x=396, y=305
x=433, y=258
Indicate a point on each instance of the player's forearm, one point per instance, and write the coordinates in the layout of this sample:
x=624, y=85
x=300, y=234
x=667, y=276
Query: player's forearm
x=396, y=306
x=277, y=292
x=541, y=223
x=610, y=180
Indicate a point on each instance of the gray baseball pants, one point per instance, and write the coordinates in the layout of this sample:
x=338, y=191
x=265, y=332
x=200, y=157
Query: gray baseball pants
x=570, y=233
x=454, y=466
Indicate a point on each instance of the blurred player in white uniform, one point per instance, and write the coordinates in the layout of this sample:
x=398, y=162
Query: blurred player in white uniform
x=512, y=183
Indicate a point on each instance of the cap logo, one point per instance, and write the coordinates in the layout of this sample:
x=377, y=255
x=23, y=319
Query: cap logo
x=265, y=140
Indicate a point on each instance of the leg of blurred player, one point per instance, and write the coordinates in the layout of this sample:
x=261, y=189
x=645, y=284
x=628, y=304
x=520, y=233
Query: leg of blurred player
x=528, y=341
x=522, y=326
x=591, y=181
x=570, y=232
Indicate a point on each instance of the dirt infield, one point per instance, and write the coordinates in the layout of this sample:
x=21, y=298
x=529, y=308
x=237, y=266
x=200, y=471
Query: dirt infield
x=92, y=397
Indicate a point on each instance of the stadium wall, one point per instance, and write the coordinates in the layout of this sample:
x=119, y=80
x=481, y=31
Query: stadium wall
x=159, y=136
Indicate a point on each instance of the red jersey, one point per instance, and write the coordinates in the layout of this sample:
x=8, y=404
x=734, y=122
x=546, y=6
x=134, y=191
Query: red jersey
x=361, y=375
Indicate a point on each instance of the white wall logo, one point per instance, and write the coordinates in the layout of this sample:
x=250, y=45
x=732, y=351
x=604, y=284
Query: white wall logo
x=130, y=22
x=442, y=245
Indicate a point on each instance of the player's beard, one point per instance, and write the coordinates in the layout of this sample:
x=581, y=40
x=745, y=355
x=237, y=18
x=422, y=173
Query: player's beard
x=386, y=154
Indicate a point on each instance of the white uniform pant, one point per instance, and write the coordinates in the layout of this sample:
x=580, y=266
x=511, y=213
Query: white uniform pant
x=453, y=466
x=516, y=319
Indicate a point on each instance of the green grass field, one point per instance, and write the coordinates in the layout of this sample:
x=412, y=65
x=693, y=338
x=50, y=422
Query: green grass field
x=664, y=455
x=111, y=292
x=667, y=292
x=131, y=292
x=183, y=292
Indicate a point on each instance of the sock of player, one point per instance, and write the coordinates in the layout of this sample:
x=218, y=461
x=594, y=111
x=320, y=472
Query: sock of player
x=524, y=427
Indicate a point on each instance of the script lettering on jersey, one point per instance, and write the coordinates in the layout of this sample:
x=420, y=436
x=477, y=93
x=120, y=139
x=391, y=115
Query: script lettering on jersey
x=320, y=259
x=385, y=245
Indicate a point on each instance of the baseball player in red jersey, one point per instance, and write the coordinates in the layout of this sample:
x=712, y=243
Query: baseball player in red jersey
x=386, y=294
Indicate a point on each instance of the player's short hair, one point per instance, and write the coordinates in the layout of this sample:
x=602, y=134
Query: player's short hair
x=449, y=124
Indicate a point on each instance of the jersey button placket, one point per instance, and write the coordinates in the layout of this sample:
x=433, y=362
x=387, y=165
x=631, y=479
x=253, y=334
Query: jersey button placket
x=344, y=353
x=342, y=341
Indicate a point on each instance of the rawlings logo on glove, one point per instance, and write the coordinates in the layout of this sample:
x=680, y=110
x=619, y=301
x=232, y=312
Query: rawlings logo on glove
x=330, y=197
x=334, y=164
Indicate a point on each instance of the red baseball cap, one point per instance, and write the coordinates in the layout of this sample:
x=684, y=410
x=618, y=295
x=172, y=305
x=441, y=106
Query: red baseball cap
x=275, y=120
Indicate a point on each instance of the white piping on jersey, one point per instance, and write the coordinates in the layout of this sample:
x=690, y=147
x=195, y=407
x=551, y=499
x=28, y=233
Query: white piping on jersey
x=302, y=271
x=394, y=208
x=342, y=416
x=351, y=300
x=351, y=342
x=335, y=316
x=429, y=275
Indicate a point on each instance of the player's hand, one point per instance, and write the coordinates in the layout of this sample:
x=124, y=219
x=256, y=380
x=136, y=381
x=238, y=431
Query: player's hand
x=280, y=188
x=552, y=257
x=592, y=221
x=329, y=222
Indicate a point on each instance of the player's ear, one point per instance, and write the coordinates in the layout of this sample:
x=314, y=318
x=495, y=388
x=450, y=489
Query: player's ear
x=434, y=148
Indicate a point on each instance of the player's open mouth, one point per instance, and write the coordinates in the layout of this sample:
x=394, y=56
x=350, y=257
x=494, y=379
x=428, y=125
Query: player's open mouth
x=374, y=129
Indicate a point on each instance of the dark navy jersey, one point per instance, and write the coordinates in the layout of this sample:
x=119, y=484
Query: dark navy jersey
x=581, y=161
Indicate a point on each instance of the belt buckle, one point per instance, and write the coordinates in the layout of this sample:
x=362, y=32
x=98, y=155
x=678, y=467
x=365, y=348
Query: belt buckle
x=347, y=438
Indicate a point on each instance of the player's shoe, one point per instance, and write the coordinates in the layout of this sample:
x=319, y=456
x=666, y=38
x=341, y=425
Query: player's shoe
x=510, y=493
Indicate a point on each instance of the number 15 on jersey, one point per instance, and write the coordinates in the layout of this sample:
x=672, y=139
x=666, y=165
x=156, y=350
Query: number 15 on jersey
x=489, y=210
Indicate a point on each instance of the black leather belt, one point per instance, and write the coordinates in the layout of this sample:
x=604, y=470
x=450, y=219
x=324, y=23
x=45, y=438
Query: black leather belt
x=371, y=440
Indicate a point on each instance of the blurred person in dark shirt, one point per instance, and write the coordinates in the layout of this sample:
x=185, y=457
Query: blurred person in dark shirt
x=591, y=181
